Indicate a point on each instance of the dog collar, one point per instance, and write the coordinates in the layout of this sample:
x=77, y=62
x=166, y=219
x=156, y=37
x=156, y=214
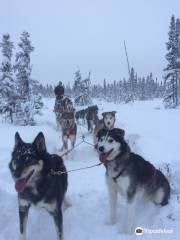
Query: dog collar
x=122, y=171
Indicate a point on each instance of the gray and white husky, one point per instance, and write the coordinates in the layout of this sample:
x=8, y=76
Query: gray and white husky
x=69, y=129
x=106, y=122
x=130, y=175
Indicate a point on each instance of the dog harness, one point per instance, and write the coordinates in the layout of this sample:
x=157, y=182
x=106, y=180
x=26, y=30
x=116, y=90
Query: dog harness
x=121, y=172
x=150, y=180
x=70, y=131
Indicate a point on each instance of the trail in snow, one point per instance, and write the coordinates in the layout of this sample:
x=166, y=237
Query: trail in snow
x=150, y=132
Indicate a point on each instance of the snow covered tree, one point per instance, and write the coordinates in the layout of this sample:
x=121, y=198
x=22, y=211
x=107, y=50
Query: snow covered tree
x=178, y=59
x=133, y=84
x=68, y=90
x=34, y=86
x=144, y=88
x=7, y=85
x=82, y=89
x=86, y=89
x=38, y=104
x=173, y=67
x=105, y=88
x=77, y=84
x=25, y=106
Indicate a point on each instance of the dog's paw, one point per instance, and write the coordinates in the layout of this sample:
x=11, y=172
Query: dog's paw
x=66, y=203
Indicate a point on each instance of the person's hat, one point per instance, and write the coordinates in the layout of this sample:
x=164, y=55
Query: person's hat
x=59, y=90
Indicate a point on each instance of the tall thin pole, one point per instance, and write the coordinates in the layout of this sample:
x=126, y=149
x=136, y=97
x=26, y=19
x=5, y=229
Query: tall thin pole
x=127, y=59
x=129, y=70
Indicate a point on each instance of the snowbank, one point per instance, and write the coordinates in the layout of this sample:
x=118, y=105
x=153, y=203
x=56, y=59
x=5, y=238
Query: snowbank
x=158, y=141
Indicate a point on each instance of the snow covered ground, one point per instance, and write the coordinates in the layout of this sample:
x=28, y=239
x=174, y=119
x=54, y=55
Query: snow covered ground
x=159, y=132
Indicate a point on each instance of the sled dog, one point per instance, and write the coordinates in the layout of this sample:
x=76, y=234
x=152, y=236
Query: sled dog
x=31, y=167
x=69, y=129
x=81, y=115
x=130, y=175
x=92, y=117
x=106, y=122
x=62, y=104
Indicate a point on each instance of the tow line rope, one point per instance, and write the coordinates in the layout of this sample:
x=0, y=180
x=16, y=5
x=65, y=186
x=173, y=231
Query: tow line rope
x=53, y=172
x=73, y=170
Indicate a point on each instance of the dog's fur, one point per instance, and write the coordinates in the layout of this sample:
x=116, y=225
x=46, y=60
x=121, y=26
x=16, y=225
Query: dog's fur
x=30, y=167
x=129, y=174
x=69, y=129
x=81, y=115
x=106, y=122
x=92, y=117
x=58, y=120
x=62, y=104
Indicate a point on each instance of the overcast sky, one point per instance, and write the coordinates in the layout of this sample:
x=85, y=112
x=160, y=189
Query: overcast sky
x=89, y=34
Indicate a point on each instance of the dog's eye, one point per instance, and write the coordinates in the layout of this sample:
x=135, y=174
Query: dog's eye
x=110, y=140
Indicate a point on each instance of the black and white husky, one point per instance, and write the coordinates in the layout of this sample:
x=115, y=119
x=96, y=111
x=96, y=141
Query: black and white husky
x=130, y=175
x=106, y=122
x=91, y=117
x=81, y=114
x=31, y=167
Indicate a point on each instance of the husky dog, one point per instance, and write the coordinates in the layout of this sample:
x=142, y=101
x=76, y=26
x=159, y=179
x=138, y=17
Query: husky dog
x=62, y=104
x=69, y=129
x=31, y=167
x=92, y=117
x=81, y=115
x=106, y=122
x=58, y=119
x=129, y=174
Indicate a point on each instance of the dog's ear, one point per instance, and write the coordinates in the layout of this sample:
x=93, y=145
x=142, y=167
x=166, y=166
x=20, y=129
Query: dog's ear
x=18, y=139
x=39, y=143
x=102, y=132
x=103, y=114
x=98, y=135
x=114, y=113
x=119, y=132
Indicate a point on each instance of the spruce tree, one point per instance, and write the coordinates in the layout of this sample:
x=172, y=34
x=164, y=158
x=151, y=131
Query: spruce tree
x=7, y=85
x=82, y=89
x=86, y=90
x=178, y=59
x=25, y=108
x=77, y=84
x=133, y=84
x=171, y=77
x=38, y=104
x=104, y=88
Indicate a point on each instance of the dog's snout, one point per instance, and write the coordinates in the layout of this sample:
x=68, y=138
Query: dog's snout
x=17, y=174
x=101, y=149
x=108, y=123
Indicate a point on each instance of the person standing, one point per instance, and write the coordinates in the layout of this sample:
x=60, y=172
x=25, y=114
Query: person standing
x=62, y=103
